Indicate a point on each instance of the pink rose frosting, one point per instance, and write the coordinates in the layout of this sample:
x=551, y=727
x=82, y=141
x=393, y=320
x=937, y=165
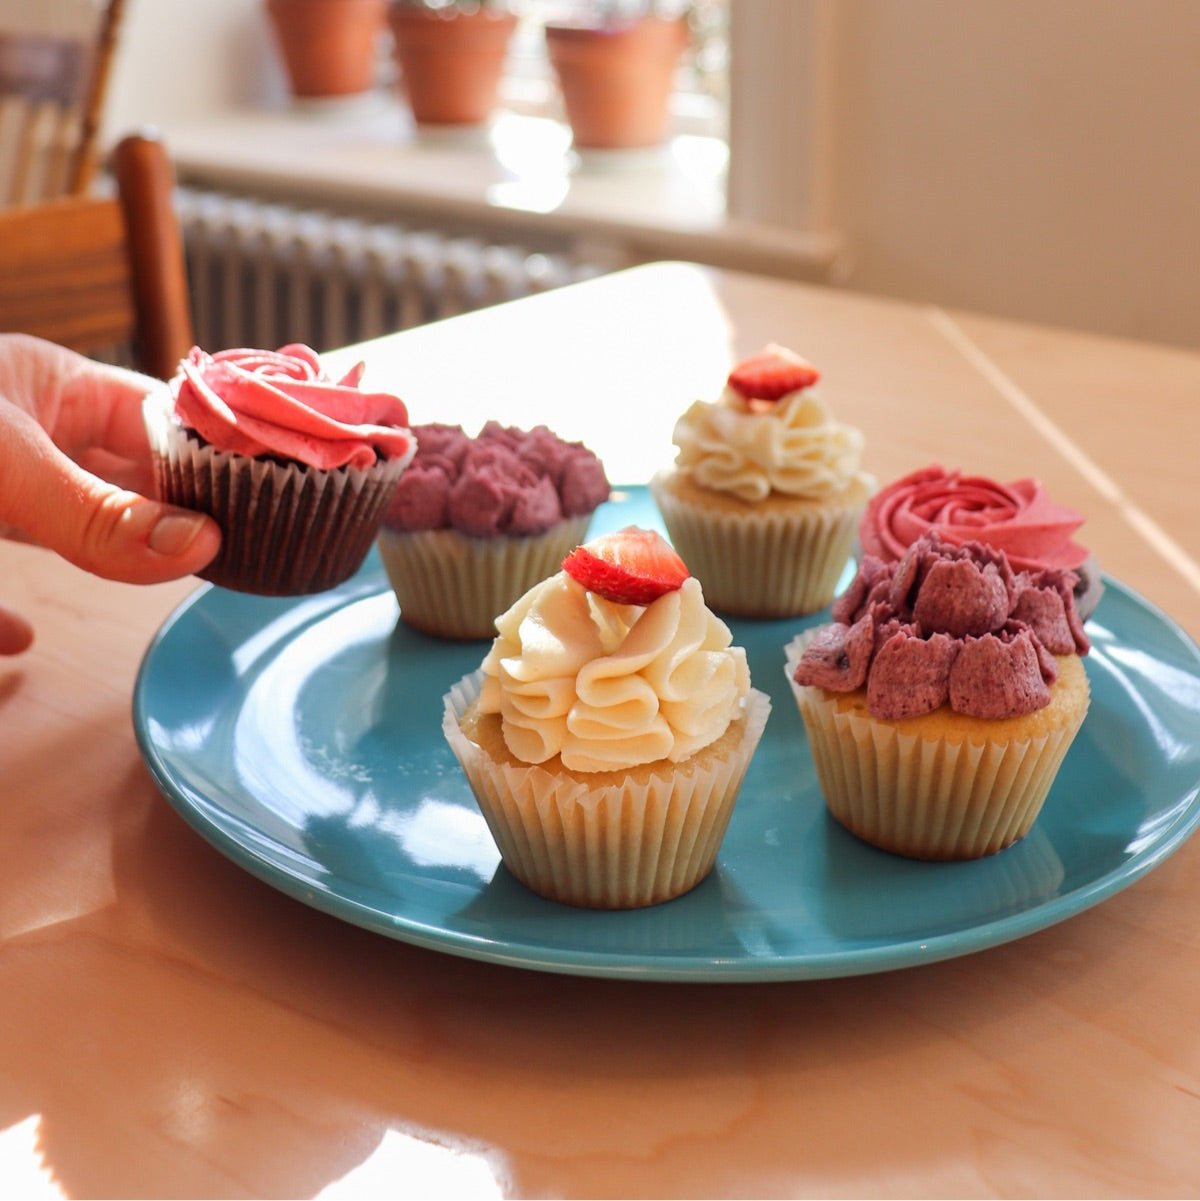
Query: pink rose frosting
x=1017, y=518
x=949, y=625
x=281, y=403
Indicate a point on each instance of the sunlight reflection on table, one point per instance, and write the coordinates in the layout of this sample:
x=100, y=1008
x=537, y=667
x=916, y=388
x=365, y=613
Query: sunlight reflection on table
x=679, y=333
x=21, y=1167
x=427, y=1169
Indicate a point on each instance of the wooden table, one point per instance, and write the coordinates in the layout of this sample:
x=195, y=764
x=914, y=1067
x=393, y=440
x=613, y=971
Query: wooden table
x=173, y=1027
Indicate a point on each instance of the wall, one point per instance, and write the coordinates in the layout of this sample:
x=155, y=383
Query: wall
x=1032, y=158
x=179, y=60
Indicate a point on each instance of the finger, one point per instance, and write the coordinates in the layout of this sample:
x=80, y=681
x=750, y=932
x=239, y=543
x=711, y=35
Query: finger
x=103, y=529
x=102, y=407
x=16, y=634
x=125, y=473
x=119, y=400
x=79, y=401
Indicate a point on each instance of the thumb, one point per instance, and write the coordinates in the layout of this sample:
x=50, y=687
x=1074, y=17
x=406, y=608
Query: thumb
x=103, y=529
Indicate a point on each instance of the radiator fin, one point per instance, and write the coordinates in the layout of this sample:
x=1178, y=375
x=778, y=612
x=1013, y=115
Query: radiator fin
x=262, y=274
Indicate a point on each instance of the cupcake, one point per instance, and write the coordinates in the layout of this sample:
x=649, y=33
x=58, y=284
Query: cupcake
x=1035, y=532
x=476, y=522
x=766, y=491
x=295, y=468
x=941, y=700
x=608, y=731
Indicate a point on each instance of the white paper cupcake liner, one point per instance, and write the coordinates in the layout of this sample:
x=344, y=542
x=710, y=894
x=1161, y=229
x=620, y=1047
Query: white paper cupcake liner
x=761, y=564
x=453, y=586
x=926, y=797
x=286, y=528
x=613, y=846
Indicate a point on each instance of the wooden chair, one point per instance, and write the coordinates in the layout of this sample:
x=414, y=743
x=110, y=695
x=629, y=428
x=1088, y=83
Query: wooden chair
x=95, y=273
x=55, y=57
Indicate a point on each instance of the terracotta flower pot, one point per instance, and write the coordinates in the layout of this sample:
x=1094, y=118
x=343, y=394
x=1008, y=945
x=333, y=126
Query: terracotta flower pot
x=450, y=60
x=329, y=47
x=616, y=83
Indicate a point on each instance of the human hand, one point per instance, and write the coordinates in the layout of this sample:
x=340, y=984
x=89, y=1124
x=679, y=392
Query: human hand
x=75, y=473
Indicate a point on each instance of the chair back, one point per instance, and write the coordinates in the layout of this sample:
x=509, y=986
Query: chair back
x=97, y=273
x=55, y=57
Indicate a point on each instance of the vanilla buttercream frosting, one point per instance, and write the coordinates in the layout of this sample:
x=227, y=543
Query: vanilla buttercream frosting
x=608, y=686
x=795, y=447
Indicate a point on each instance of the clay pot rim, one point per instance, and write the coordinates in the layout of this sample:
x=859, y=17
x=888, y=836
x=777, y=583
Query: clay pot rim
x=627, y=43
x=289, y=6
x=572, y=30
x=416, y=14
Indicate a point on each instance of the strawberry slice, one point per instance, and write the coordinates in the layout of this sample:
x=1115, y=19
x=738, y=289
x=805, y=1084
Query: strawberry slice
x=631, y=567
x=772, y=373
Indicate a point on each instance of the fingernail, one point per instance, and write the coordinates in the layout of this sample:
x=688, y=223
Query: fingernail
x=174, y=532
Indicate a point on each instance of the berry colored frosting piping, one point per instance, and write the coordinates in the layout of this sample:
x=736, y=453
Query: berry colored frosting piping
x=1017, y=518
x=947, y=625
x=282, y=404
x=609, y=686
x=794, y=447
x=506, y=481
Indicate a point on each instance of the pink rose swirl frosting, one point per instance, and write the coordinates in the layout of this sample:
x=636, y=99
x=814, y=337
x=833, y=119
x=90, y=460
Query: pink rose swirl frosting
x=282, y=403
x=1017, y=518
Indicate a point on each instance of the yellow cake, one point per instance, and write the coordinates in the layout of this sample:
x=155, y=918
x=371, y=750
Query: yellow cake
x=607, y=733
x=943, y=785
x=605, y=840
x=941, y=702
x=778, y=557
x=765, y=495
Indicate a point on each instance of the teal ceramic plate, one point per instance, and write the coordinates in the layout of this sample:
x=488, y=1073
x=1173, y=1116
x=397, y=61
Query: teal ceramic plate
x=302, y=737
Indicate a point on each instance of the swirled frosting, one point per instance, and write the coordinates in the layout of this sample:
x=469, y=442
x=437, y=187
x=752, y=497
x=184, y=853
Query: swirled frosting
x=794, y=447
x=608, y=686
x=950, y=625
x=1017, y=518
x=282, y=404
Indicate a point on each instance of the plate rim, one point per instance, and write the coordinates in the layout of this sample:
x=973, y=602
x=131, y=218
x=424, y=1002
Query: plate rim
x=642, y=966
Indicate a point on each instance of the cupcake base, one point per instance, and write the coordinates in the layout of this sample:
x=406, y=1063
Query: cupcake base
x=452, y=586
x=606, y=840
x=780, y=558
x=941, y=786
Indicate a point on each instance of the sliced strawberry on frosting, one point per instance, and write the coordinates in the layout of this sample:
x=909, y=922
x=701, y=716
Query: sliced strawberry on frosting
x=631, y=567
x=772, y=373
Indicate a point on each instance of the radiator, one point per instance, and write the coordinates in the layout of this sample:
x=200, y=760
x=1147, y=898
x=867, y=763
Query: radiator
x=262, y=274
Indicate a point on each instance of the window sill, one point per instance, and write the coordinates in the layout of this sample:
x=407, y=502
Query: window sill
x=518, y=177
